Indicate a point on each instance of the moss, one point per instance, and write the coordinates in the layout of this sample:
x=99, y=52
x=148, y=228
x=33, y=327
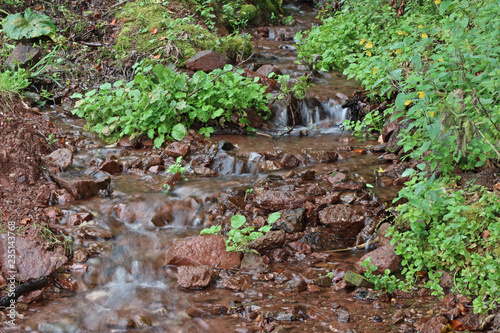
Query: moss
x=248, y=12
x=269, y=6
x=151, y=29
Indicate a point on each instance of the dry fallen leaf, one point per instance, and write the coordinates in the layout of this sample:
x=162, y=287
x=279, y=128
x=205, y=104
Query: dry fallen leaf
x=157, y=56
x=38, y=7
x=154, y=31
x=113, y=22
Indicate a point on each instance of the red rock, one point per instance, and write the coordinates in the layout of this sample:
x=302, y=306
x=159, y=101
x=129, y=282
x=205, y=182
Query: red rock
x=322, y=156
x=64, y=196
x=272, y=165
x=151, y=161
x=206, y=61
x=80, y=256
x=289, y=161
x=30, y=297
x=383, y=257
x=205, y=172
x=389, y=157
x=301, y=247
x=69, y=283
x=253, y=263
x=329, y=199
x=62, y=158
x=264, y=80
x=176, y=149
x=434, y=325
x=77, y=268
x=111, y=166
x=346, y=220
x=156, y=168
x=291, y=220
x=336, y=178
x=79, y=218
x=93, y=231
x=278, y=200
x=207, y=311
x=33, y=261
x=43, y=196
x=296, y=285
x=349, y=186
x=238, y=283
x=207, y=250
x=266, y=70
x=313, y=289
x=82, y=185
x=194, y=277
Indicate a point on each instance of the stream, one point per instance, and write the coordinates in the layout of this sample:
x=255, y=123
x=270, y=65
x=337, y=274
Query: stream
x=125, y=285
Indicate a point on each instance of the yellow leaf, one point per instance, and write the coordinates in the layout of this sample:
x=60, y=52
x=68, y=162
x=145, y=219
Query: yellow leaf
x=408, y=102
x=441, y=60
x=432, y=113
x=437, y=2
x=420, y=26
x=375, y=69
x=421, y=94
x=406, y=34
x=424, y=35
x=368, y=53
x=369, y=45
x=380, y=170
x=362, y=41
x=400, y=32
x=397, y=51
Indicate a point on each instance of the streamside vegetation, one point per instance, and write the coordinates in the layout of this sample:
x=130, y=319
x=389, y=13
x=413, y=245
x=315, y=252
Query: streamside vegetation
x=436, y=63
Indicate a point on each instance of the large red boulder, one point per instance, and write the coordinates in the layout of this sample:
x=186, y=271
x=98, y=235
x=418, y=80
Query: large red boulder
x=206, y=61
x=207, y=250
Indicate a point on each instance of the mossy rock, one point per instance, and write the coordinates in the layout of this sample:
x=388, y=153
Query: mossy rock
x=270, y=6
x=249, y=13
x=151, y=29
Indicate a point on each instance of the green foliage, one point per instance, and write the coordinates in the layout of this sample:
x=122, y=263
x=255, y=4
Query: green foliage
x=443, y=61
x=29, y=25
x=176, y=167
x=238, y=237
x=384, y=281
x=13, y=82
x=445, y=229
x=166, y=103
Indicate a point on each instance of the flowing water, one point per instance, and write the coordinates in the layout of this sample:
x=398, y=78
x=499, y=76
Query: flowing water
x=129, y=286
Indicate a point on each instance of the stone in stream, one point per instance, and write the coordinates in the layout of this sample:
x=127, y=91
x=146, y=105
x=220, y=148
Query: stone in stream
x=346, y=221
x=276, y=200
x=322, y=156
x=206, y=61
x=296, y=285
x=205, y=172
x=194, y=277
x=33, y=261
x=289, y=161
x=300, y=247
x=176, y=149
x=282, y=312
x=322, y=239
x=434, y=325
x=266, y=70
x=61, y=158
x=291, y=220
x=83, y=185
x=383, y=257
x=111, y=166
x=253, y=263
x=207, y=250
x=207, y=311
x=268, y=242
x=357, y=280
x=238, y=283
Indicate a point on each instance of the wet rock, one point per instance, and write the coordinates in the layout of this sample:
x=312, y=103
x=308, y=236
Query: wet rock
x=307, y=175
x=315, y=190
x=44, y=195
x=378, y=148
x=253, y=263
x=82, y=185
x=79, y=218
x=348, y=197
x=100, y=249
x=238, y=283
x=434, y=325
x=392, y=145
x=31, y=297
x=446, y=280
x=205, y=172
x=111, y=166
x=348, y=186
x=69, y=283
x=289, y=161
x=282, y=312
x=277, y=255
x=321, y=239
x=322, y=156
x=77, y=268
x=206, y=61
x=275, y=200
x=342, y=314
x=344, y=220
x=33, y=261
x=322, y=281
x=23, y=56
x=194, y=277
x=389, y=157
x=207, y=311
x=268, y=242
x=336, y=178
x=152, y=161
x=383, y=257
x=356, y=280
x=235, y=201
x=264, y=80
x=300, y=247
x=62, y=158
x=93, y=231
x=176, y=149
x=296, y=285
x=266, y=70
x=291, y=220
x=139, y=321
x=382, y=232
x=470, y=321
x=207, y=250
x=272, y=165
x=172, y=180
x=80, y=256
x=330, y=198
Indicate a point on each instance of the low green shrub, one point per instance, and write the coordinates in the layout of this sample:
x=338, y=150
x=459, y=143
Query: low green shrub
x=29, y=25
x=164, y=104
x=13, y=82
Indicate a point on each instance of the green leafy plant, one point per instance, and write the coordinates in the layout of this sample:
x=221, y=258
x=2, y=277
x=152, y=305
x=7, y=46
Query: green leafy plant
x=29, y=25
x=176, y=167
x=383, y=281
x=13, y=81
x=238, y=237
x=165, y=103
